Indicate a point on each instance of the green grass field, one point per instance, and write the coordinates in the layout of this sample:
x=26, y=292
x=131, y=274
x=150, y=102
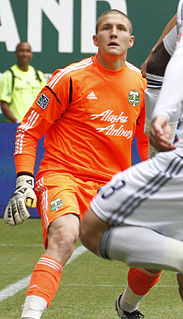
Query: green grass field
x=89, y=285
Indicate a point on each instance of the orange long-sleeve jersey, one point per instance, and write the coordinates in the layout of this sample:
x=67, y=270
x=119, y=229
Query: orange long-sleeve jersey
x=89, y=116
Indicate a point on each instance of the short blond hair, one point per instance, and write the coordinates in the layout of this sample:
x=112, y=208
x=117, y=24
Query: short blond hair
x=115, y=11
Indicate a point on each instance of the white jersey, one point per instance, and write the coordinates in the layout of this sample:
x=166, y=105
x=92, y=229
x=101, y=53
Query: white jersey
x=170, y=100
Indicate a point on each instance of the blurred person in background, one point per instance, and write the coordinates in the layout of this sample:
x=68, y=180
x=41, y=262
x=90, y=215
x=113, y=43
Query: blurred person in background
x=20, y=85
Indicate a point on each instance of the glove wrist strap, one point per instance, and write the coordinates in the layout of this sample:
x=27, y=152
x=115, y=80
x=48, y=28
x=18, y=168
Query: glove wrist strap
x=24, y=173
x=25, y=180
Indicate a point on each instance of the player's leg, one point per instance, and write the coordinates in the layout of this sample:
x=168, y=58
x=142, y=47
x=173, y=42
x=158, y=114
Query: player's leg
x=91, y=230
x=127, y=307
x=180, y=284
x=146, y=195
x=142, y=247
x=140, y=281
x=141, y=196
x=59, y=209
x=47, y=273
x=60, y=235
x=137, y=246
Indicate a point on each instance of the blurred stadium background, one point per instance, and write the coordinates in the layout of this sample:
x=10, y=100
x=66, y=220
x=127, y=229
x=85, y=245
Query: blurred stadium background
x=60, y=32
x=55, y=27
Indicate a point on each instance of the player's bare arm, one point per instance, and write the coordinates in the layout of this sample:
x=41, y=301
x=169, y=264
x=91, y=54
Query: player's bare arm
x=166, y=30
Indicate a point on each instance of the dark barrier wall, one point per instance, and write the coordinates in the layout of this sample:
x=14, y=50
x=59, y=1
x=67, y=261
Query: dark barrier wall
x=60, y=31
x=7, y=166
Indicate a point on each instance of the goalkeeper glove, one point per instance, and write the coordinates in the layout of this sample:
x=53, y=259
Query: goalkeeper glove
x=16, y=211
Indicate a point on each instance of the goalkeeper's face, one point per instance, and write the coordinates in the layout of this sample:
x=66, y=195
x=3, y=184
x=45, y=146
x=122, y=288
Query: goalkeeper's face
x=114, y=35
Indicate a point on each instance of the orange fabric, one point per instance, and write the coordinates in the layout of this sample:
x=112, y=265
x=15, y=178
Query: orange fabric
x=90, y=136
x=60, y=194
x=45, y=278
x=141, y=281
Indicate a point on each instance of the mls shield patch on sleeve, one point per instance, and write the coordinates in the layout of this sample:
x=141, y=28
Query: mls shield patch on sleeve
x=43, y=101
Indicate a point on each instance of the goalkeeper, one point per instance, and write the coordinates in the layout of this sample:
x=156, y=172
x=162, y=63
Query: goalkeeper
x=88, y=137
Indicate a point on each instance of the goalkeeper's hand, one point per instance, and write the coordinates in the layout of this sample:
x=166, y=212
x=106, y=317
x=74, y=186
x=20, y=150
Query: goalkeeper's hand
x=16, y=211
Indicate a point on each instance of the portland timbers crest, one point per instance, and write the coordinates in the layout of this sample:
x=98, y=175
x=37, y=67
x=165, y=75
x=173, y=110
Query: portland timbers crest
x=56, y=204
x=134, y=97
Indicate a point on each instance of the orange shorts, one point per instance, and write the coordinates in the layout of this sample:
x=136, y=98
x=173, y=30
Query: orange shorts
x=61, y=194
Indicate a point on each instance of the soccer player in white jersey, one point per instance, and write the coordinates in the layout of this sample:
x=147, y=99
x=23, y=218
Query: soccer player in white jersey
x=140, y=281
x=137, y=217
